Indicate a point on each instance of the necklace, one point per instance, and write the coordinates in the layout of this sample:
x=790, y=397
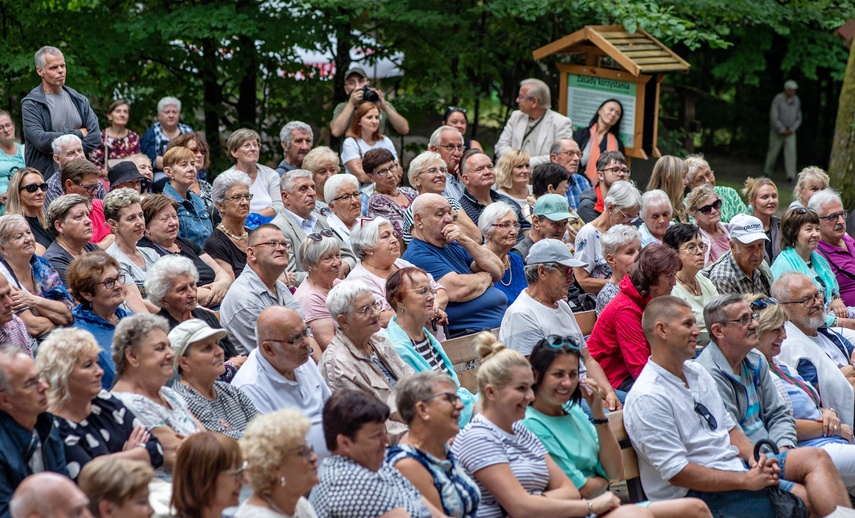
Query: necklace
x=274, y=506
x=690, y=287
x=507, y=264
x=222, y=228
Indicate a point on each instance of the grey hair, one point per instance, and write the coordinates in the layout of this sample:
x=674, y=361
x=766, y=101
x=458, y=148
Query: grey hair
x=161, y=275
x=321, y=155
x=654, y=198
x=336, y=182
x=556, y=146
x=436, y=136
x=366, y=236
x=119, y=199
x=40, y=55
x=417, y=163
x=285, y=132
x=130, y=332
x=697, y=194
x=530, y=270
x=168, y=101
x=7, y=353
x=808, y=174
x=311, y=252
x=286, y=183
x=539, y=90
x=225, y=181
x=822, y=198
x=618, y=236
x=782, y=288
x=694, y=163
x=340, y=299
x=417, y=388
x=623, y=195
x=9, y=224
x=57, y=143
x=490, y=215
x=59, y=208
x=716, y=310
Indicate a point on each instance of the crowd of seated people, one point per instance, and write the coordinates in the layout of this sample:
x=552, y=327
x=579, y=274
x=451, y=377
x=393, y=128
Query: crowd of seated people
x=167, y=336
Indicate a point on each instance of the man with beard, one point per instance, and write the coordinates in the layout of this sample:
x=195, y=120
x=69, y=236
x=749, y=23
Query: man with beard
x=566, y=153
x=296, y=138
x=835, y=244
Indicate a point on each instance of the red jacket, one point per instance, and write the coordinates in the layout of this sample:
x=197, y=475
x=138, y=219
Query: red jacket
x=617, y=341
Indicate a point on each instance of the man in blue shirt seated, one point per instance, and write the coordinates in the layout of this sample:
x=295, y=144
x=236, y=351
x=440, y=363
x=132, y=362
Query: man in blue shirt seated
x=465, y=269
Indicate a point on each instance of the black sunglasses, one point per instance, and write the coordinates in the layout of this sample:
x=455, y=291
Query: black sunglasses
x=706, y=209
x=802, y=210
x=702, y=411
x=317, y=236
x=33, y=187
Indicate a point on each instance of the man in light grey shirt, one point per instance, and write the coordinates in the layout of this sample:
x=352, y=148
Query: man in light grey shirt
x=785, y=117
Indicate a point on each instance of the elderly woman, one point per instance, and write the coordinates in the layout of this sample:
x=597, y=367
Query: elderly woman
x=171, y=286
x=195, y=222
x=280, y=465
x=117, y=488
x=601, y=135
x=698, y=172
x=621, y=206
x=355, y=433
x=208, y=476
x=379, y=255
x=429, y=404
x=27, y=190
x=694, y=288
x=705, y=206
x=144, y=362
x=669, y=175
x=219, y=406
x=323, y=163
x=320, y=256
x=656, y=213
x=167, y=127
x=117, y=141
x=513, y=176
x=498, y=222
x=621, y=247
x=410, y=293
x=389, y=200
x=244, y=147
x=762, y=196
x=617, y=341
x=811, y=180
x=428, y=174
x=161, y=222
x=40, y=297
x=68, y=220
x=90, y=421
x=363, y=136
x=358, y=356
x=125, y=216
x=227, y=243
x=344, y=200
x=95, y=281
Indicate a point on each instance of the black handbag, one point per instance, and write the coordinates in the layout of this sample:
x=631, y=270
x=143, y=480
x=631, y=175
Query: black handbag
x=786, y=504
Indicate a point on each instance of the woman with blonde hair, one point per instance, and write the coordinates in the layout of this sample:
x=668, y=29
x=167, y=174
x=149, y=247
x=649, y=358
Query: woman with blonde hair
x=811, y=180
x=512, y=468
x=669, y=175
x=281, y=466
x=117, y=488
x=762, y=196
x=513, y=176
x=323, y=163
x=27, y=190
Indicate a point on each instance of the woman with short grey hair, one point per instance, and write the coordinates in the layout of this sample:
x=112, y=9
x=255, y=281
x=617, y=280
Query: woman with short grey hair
x=498, y=222
x=227, y=243
x=656, y=213
x=621, y=247
x=245, y=148
x=158, y=135
x=320, y=256
x=359, y=357
x=68, y=220
x=341, y=193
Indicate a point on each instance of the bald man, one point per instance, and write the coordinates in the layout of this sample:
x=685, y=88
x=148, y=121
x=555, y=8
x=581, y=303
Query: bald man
x=49, y=495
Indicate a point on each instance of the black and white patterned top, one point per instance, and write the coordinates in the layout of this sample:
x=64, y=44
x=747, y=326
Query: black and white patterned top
x=426, y=351
x=349, y=490
x=105, y=431
x=228, y=414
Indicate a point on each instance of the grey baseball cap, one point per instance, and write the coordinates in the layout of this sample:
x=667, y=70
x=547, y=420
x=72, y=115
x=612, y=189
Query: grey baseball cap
x=552, y=251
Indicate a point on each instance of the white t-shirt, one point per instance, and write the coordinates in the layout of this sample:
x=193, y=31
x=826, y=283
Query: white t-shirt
x=589, y=250
x=356, y=148
x=527, y=321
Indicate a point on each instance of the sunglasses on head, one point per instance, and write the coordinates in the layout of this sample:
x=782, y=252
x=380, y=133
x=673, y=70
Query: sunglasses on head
x=33, y=187
x=558, y=341
x=801, y=210
x=317, y=236
x=706, y=209
x=763, y=303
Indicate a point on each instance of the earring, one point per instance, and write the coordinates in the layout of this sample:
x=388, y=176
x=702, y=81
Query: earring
x=282, y=481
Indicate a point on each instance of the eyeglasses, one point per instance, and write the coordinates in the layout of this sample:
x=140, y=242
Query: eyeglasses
x=239, y=197
x=237, y=472
x=837, y=215
x=706, y=209
x=694, y=249
x=366, y=310
x=305, y=451
x=507, y=224
x=318, y=236
x=566, y=270
x=293, y=339
x=33, y=187
x=435, y=170
x=808, y=301
x=89, y=188
x=391, y=169
x=763, y=303
x=451, y=148
x=627, y=219
x=570, y=154
x=618, y=171
x=456, y=109
x=424, y=291
x=451, y=397
x=704, y=412
x=10, y=125
x=348, y=196
x=111, y=283
x=558, y=341
x=275, y=244
x=744, y=321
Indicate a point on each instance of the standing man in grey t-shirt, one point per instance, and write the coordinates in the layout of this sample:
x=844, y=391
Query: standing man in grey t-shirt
x=53, y=109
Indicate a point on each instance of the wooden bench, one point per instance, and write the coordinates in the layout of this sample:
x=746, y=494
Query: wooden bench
x=586, y=321
x=461, y=351
x=628, y=456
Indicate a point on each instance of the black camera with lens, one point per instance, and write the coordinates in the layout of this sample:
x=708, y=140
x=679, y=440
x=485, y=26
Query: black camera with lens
x=369, y=95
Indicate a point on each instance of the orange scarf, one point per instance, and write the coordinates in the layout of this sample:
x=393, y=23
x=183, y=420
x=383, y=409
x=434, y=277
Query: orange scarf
x=594, y=153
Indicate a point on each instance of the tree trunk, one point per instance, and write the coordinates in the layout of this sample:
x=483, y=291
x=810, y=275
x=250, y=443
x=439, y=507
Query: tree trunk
x=841, y=167
x=247, y=105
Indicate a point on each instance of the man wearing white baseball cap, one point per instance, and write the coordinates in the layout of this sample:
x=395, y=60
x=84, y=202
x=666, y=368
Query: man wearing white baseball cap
x=542, y=310
x=742, y=269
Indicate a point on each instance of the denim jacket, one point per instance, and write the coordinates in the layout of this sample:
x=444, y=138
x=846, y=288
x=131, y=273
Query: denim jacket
x=194, y=223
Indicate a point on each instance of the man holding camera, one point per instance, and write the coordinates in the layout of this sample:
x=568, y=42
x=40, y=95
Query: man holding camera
x=358, y=88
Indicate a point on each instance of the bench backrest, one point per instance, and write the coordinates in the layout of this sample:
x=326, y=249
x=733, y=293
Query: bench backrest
x=628, y=457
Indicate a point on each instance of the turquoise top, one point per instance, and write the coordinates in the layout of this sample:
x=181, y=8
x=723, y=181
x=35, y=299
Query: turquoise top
x=790, y=261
